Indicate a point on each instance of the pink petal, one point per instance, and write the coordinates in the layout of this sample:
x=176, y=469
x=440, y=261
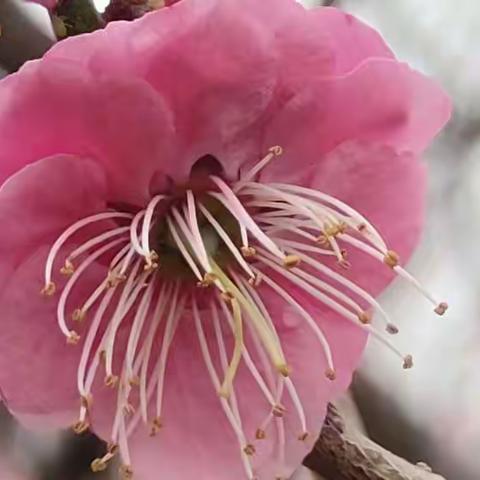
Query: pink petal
x=37, y=367
x=35, y=205
x=58, y=107
x=218, y=64
x=351, y=40
x=381, y=101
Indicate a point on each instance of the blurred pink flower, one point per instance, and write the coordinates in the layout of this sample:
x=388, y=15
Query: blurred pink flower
x=205, y=271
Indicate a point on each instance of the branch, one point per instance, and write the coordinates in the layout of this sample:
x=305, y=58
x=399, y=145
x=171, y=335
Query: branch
x=343, y=453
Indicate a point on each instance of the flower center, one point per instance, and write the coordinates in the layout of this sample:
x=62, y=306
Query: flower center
x=202, y=255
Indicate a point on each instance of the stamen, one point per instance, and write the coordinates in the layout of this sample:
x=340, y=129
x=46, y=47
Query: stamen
x=157, y=317
x=224, y=359
x=258, y=320
x=72, y=336
x=330, y=303
x=363, y=225
x=137, y=327
x=193, y=222
x=93, y=242
x=227, y=240
x=147, y=224
x=197, y=248
x=66, y=235
x=134, y=239
x=216, y=383
x=245, y=354
x=177, y=305
x=307, y=317
x=273, y=152
x=391, y=328
x=181, y=246
x=226, y=387
x=439, y=306
x=230, y=200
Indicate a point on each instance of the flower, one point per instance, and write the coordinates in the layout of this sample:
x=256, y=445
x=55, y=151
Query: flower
x=185, y=189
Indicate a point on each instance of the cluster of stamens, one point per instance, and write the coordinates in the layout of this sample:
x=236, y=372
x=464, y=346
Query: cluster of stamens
x=283, y=234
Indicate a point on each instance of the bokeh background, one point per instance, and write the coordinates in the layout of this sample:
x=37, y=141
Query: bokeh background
x=430, y=413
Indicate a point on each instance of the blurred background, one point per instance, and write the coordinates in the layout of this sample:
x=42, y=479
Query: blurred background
x=430, y=413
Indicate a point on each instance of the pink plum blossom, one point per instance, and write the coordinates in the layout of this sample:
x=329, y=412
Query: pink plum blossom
x=199, y=208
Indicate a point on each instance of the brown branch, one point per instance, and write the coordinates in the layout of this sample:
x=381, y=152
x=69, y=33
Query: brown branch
x=344, y=453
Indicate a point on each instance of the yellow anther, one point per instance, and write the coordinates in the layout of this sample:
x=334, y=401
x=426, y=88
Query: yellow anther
x=284, y=370
x=260, y=434
x=98, y=465
x=208, y=280
x=408, y=362
x=151, y=261
x=335, y=229
x=68, y=269
x=227, y=297
x=134, y=381
x=365, y=317
x=249, y=449
x=441, y=308
x=73, y=337
x=156, y=426
x=291, y=261
x=112, y=448
x=80, y=427
x=111, y=381
x=391, y=259
x=78, y=315
x=276, y=150
x=49, y=289
x=114, y=279
x=248, y=252
x=323, y=240
x=303, y=436
x=331, y=374
x=278, y=411
x=126, y=472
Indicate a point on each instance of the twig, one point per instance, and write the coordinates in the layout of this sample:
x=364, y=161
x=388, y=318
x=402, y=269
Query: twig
x=344, y=453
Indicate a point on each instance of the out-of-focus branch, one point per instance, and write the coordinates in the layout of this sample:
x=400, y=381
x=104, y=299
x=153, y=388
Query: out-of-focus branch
x=344, y=453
